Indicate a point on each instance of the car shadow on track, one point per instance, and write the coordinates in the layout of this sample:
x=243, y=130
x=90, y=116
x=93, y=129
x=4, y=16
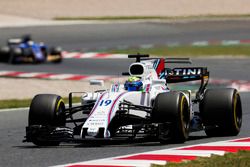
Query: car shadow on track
x=109, y=144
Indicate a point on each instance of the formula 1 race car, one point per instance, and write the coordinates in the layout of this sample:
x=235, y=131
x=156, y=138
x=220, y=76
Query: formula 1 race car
x=141, y=109
x=24, y=50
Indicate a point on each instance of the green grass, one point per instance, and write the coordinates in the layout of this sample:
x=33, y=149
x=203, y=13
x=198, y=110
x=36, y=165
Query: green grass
x=213, y=50
x=114, y=18
x=16, y=103
x=240, y=159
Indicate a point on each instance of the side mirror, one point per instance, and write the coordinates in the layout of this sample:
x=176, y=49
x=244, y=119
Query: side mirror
x=96, y=82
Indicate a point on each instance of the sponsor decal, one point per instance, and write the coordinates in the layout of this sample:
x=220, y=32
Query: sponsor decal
x=187, y=71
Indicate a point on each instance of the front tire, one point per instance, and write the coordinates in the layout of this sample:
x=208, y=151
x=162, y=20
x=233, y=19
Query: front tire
x=173, y=108
x=221, y=112
x=47, y=110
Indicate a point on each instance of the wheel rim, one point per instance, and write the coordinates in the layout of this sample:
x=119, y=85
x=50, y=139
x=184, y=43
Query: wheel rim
x=184, y=115
x=237, y=111
x=59, y=112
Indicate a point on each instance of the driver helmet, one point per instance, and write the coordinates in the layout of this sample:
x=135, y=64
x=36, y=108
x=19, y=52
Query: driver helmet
x=133, y=84
x=26, y=38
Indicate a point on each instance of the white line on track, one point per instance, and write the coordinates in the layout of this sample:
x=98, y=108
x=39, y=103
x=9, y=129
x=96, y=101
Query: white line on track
x=14, y=109
x=27, y=108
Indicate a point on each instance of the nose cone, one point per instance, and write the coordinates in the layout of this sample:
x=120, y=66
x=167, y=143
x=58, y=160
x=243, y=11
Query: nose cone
x=93, y=131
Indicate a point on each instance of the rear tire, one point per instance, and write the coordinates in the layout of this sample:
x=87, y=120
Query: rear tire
x=15, y=53
x=47, y=110
x=221, y=112
x=173, y=108
x=4, y=53
x=56, y=51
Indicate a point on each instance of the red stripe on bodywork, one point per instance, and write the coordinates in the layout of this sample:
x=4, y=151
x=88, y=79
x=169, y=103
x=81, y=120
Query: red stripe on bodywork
x=242, y=140
x=97, y=166
x=96, y=104
x=148, y=88
x=163, y=157
x=161, y=66
x=218, y=148
x=112, y=107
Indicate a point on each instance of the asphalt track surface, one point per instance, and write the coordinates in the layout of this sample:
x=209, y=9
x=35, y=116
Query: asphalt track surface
x=237, y=69
x=96, y=36
x=12, y=123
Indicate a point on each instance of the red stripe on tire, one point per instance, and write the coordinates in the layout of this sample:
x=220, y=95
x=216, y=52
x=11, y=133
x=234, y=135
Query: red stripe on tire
x=170, y=158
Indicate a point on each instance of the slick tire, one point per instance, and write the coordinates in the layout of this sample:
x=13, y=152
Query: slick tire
x=221, y=112
x=4, y=53
x=14, y=54
x=56, y=51
x=47, y=110
x=172, y=108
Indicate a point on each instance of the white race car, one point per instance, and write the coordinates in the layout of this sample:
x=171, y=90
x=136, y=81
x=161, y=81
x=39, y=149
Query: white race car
x=141, y=109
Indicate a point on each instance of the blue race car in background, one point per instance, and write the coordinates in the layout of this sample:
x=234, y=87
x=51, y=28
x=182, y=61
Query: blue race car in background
x=25, y=50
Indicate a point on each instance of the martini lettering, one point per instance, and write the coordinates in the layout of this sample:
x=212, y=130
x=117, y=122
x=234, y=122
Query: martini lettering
x=187, y=71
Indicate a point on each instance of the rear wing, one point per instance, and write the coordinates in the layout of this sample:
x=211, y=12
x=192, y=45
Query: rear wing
x=185, y=74
x=14, y=41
